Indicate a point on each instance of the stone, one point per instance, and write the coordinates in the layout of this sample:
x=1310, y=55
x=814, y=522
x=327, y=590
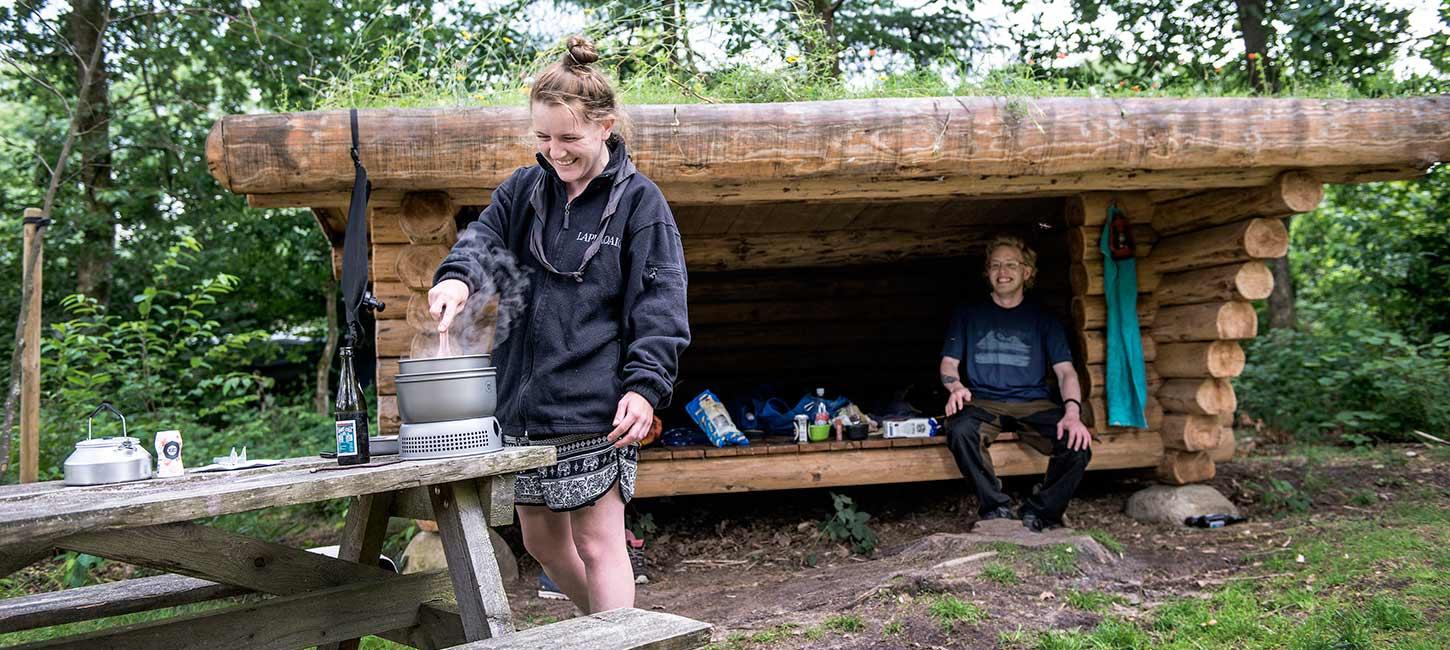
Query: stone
x=1167, y=504
x=425, y=553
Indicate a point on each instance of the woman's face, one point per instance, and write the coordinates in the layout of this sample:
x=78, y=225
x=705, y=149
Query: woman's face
x=572, y=144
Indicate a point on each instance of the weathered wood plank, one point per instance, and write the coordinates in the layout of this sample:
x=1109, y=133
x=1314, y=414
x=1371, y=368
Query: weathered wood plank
x=908, y=459
x=617, y=629
x=56, y=510
x=108, y=599
x=363, y=533
x=285, y=622
x=477, y=584
x=22, y=555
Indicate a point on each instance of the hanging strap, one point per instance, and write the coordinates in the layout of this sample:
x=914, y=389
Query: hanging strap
x=355, y=243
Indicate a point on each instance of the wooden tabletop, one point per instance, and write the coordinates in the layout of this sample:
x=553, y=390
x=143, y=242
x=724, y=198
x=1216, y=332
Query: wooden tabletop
x=39, y=511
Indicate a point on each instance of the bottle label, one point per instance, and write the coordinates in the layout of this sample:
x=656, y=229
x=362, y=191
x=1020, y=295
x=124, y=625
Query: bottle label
x=347, y=437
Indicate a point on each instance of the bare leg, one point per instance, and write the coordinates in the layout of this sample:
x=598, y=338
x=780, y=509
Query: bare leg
x=548, y=536
x=599, y=536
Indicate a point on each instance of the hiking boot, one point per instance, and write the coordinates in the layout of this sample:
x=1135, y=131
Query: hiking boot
x=1000, y=512
x=1035, y=523
x=548, y=590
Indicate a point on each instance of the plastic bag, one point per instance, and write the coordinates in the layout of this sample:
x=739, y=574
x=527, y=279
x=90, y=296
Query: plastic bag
x=711, y=415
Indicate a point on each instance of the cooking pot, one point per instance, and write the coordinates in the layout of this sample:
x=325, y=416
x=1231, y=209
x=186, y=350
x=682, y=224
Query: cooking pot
x=439, y=396
x=443, y=364
x=97, y=461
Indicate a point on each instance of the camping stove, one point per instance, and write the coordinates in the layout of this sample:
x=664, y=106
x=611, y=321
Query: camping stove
x=447, y=407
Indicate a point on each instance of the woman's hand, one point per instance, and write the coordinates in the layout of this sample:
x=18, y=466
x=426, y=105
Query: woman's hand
x=632, y=420
x=445, y=300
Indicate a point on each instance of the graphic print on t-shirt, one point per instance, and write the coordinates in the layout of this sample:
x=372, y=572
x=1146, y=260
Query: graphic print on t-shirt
x=1004, y=348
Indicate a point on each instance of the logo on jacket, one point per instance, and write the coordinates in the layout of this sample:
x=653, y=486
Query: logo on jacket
x=609, y=240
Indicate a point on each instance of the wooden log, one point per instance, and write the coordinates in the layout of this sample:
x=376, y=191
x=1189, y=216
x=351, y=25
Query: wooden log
x=1152, y=416
x=1095, y=381
x=296, y=621
x=1091, y=312
x=418, y=262
x=428, y=218
x=385, y=224
x=855, y=144
x=1227, y=244
x=1087, y=277
x=1226, y=448
x=1290, y=193
x=395, y=296
x=1095, y=345
x=1201, y=359
x=1082, y=243
x=1190, y=432
x=918, y=459
x=1091, y=208
x=32, y=272
x=108, y=599
x=617, y=629
x=1206, y=396
x=830, y=248
x=1184, y=467
x=1206, y=322
x=21, y=555
x=384, y=262
x=1232, y=282
x=824, y=311
x=389, y=421
x=387, y=373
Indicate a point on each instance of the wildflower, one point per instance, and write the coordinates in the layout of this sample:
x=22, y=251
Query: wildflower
x=792, y=59
x=467, y=35
x=1062, y=55
x=458, y=77
x=508, y=40
x=871, y=53
x=1122, y=83
x=883, y=77
x=1253, y=56
x=1155, y=85
x=1218, y=68
x=1137, y=88
x=1031, y=62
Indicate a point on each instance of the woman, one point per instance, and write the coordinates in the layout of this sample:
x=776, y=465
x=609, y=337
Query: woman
x=597, y=350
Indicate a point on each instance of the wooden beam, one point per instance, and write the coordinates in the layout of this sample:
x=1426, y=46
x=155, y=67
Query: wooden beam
x=830, y=248
x=1095, y=345
x=1224, y=452
x=1206, y=322
x=1087, y=277
x=1152, y=415
x=1190, y=432
x=617, y=629
x=1290, y=193
x=363, y=534
x=855, y=144
x=1201, y=359
x=32, y=272
x=21, y=555
x=925, y=462
x=1227, y=244
x=477, y=584
x=1091, y=312
x=1184, y=467
x=1082, y=243
x=1091, y=208
x=285, y=622
x=108, y=599
x=417, y=264
x=1242, y=282
x=1206, y=396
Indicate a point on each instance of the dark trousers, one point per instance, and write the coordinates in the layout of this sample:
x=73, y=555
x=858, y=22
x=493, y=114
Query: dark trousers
x=971, y=431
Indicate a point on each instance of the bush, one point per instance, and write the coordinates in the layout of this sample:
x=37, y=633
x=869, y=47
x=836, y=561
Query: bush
x=1363, y=380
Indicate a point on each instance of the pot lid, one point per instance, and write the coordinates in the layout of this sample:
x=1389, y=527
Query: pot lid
x=106, y=443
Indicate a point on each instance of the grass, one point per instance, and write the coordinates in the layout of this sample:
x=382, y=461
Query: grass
x=1107, y=540
x=891, y=628
x=1092, y=601
x=1056, y=560
x=1000, y=573
x=845, y=623
x=947, y=610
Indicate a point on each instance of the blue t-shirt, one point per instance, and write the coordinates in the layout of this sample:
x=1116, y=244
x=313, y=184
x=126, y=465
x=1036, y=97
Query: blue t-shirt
x=1008, y=352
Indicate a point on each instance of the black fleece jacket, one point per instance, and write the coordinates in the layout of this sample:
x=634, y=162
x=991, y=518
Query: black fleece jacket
x=605, y=310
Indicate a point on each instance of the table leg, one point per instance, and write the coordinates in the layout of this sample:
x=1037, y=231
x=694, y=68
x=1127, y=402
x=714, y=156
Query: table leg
x=477, y=585
x=23, y=555
x=362, y=539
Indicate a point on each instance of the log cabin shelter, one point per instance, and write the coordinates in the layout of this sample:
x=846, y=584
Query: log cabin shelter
x=828, y=241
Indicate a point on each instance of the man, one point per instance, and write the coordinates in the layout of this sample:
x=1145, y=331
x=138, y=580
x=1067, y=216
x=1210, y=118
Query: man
x=1009, y=343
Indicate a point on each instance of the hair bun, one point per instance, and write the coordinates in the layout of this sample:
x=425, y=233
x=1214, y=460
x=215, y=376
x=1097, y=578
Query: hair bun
x=580, y=51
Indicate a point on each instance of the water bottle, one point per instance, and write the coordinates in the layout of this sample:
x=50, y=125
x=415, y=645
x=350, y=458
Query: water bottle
x=1214, y=521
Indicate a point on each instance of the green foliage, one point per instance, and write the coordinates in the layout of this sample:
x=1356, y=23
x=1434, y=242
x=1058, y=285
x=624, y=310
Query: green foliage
x=1366, y=380
x=844, y=623
x=1092, y=601
x=77, y=568
x=1107, y=540
x=891, y=628
x=1056, y=560
x=850, y=525
x=1000, y=573
x=947, y=609
x=1281, y=497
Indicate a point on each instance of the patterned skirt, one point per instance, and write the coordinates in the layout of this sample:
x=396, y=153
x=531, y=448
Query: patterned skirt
x=588, y=467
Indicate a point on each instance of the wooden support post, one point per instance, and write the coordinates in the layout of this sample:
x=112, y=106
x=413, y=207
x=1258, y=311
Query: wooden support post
x=1254, y=239
x=30, y=355
x=477, y=584
x=1290, y=193
x=362, y=539
x=1242, y=282
x=1201, y=359
x=1206, y=322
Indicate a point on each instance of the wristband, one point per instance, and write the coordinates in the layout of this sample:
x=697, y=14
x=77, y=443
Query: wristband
x=1079, y=404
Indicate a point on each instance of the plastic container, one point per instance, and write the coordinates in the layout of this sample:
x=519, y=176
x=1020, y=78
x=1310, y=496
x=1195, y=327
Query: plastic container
x=820, y=432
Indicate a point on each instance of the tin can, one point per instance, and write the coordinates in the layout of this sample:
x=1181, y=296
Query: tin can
x=802, y=428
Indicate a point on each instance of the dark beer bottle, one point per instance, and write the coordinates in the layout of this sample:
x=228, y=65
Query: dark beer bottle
x=1214, y=521
x=352, y=415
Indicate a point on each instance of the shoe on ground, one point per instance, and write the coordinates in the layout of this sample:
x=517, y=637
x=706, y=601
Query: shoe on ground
x=1000, y=512
x=637, y=563
x=548, y=590
x=1031, y=521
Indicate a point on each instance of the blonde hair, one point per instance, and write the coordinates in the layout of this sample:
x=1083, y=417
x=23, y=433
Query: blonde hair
x=575, y=82
x=1029, y=257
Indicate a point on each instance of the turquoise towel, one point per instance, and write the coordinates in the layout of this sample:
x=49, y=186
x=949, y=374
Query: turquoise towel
x=1127, y=389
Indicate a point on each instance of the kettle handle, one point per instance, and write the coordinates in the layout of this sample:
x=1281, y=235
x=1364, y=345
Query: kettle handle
x=105, y=406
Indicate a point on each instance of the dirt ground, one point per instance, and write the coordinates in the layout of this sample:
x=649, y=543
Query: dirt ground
x=751, y=563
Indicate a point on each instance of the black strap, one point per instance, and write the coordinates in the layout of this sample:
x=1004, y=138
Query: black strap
x=355, y=242
x=36, y=221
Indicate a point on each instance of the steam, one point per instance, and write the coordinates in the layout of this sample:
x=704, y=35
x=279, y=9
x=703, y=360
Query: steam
x=490, y=312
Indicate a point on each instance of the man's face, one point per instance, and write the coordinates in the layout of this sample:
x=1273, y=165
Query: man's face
x=1007, y=272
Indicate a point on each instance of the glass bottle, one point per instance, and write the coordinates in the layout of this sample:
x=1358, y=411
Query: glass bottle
x=352, y=415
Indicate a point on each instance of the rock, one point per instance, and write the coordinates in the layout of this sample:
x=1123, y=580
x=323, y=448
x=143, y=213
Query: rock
x=425, y=553
x=1166, y=504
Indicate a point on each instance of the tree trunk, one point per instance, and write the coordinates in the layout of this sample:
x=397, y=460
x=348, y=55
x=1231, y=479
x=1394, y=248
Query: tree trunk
x=324, y=365
x=1261, y=73
x=98, y=227
x=1281, y=301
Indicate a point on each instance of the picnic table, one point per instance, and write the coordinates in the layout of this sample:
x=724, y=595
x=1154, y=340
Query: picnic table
x=314, y=599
